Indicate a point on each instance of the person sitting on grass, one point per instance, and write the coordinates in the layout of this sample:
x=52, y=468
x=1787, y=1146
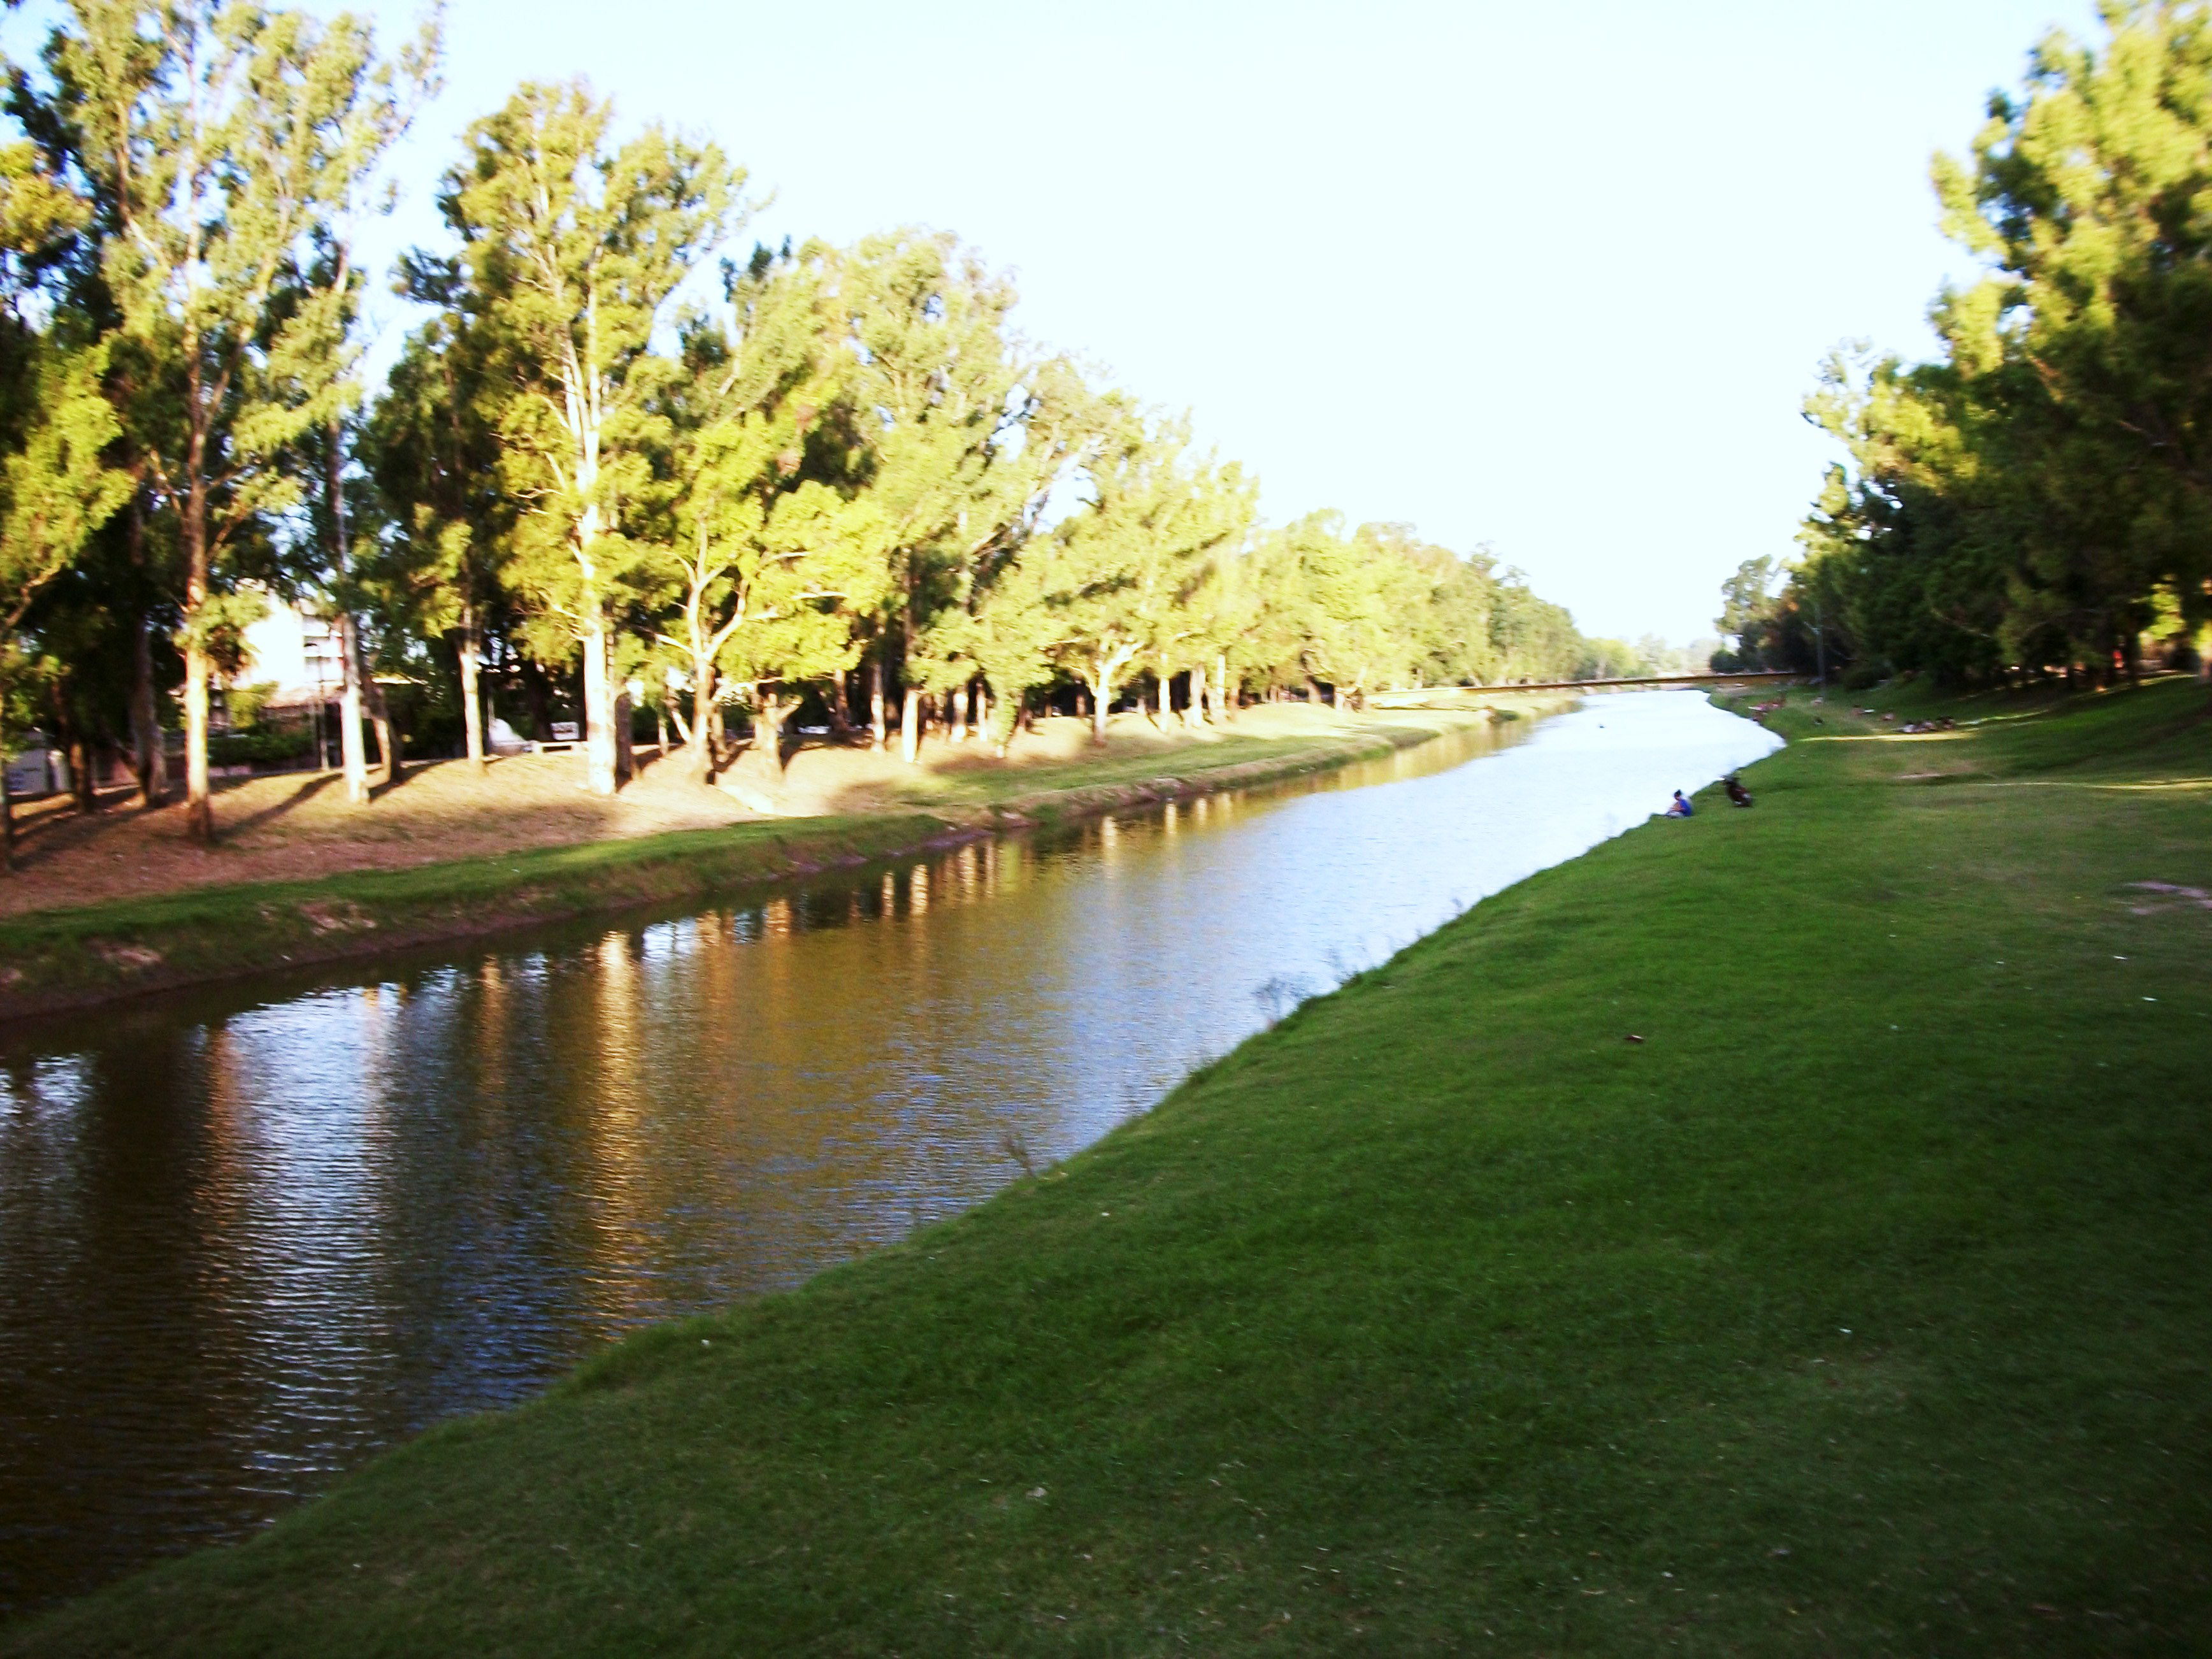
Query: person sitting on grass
x=1681, y=807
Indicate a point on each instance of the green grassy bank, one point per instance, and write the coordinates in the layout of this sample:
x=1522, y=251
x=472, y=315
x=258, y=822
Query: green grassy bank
x=1784, y=1231
x=65, y=958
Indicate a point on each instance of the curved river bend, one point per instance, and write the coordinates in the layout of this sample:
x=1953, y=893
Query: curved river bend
x=247, y=1236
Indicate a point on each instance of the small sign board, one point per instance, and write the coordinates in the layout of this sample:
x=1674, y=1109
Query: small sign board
x=29, y=776
x=567, y=732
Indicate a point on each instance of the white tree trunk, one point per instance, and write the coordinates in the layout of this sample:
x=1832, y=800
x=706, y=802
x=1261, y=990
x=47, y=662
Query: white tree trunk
x=599, y=763
x=472, y=719
x=199, y=804
x=910, y=727
x=353, y=757
x=700, y=736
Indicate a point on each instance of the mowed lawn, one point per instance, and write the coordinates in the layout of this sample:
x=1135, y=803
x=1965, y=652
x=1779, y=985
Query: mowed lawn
x=1863, y=1306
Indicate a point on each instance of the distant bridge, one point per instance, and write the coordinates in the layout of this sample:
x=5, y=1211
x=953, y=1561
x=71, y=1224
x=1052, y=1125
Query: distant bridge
x=1426, y=693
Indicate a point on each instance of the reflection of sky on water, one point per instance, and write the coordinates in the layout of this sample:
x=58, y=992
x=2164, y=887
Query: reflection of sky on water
x=242, y=1242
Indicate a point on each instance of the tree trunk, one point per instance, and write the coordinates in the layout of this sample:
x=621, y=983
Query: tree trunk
x=1102, y=694
x=876, y=696
x=702, y=763
x=379, y=721
x=660, y=726
x=767, y=734
x=387, y=740
x=625, y=750
x=1159, y=712
x=472, y=713
x=957, y=713
x=1225, y=709
x=538, y=697
x=841, y=711
x=910, y=727
x=149, y=743
x=352, y=757
x=601, y=763
x=81, y=783
x=199, y=803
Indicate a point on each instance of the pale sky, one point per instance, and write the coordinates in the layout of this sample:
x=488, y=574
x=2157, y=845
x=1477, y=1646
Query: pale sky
x=1550, y=277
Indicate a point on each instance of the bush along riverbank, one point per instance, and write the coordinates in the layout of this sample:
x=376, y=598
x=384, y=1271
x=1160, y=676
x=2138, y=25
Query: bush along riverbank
x=52, y=960
x=1780, y=1231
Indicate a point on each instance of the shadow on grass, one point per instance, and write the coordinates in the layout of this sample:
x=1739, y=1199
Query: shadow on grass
x=315, y=784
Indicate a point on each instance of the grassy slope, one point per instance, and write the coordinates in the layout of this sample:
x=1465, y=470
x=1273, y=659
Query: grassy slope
x=1860, y=1309
x=67, y=957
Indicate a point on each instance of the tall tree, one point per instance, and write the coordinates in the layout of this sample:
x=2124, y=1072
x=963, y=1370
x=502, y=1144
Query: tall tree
x=2041, y=492
x=58, y=486
x=767, y=568
x=997, y=617
x=222, y=138
x=572, y=250
x=943, y=402
x=1123, y=571
x=434, y=454
x=1360, y=594
x=56, y=489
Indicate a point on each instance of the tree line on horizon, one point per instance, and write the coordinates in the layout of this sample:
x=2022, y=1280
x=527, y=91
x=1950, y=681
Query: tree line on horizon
x=2036, y=500
x=614, y=463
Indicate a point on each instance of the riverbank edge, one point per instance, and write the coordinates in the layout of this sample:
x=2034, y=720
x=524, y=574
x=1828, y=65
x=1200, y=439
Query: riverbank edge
x=62, y=960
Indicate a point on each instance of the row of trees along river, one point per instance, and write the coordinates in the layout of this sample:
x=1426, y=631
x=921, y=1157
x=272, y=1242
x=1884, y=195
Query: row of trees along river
x=2037, y=499
x=611, y=454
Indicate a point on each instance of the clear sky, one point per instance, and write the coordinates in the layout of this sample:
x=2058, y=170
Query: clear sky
x=1553, y=277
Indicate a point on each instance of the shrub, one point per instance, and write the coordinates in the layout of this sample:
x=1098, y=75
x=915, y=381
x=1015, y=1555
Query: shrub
x=264, y=745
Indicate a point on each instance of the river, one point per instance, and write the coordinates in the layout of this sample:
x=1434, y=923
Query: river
x=249, y=1236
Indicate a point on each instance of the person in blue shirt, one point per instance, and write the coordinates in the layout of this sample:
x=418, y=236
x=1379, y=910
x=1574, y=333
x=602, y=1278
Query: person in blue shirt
x=1681, y=807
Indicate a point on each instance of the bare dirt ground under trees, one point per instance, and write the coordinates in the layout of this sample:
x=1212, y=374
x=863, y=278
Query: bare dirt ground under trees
x=297, y=825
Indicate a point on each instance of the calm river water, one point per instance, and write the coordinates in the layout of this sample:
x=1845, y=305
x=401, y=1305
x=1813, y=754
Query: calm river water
x=248, y=1237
